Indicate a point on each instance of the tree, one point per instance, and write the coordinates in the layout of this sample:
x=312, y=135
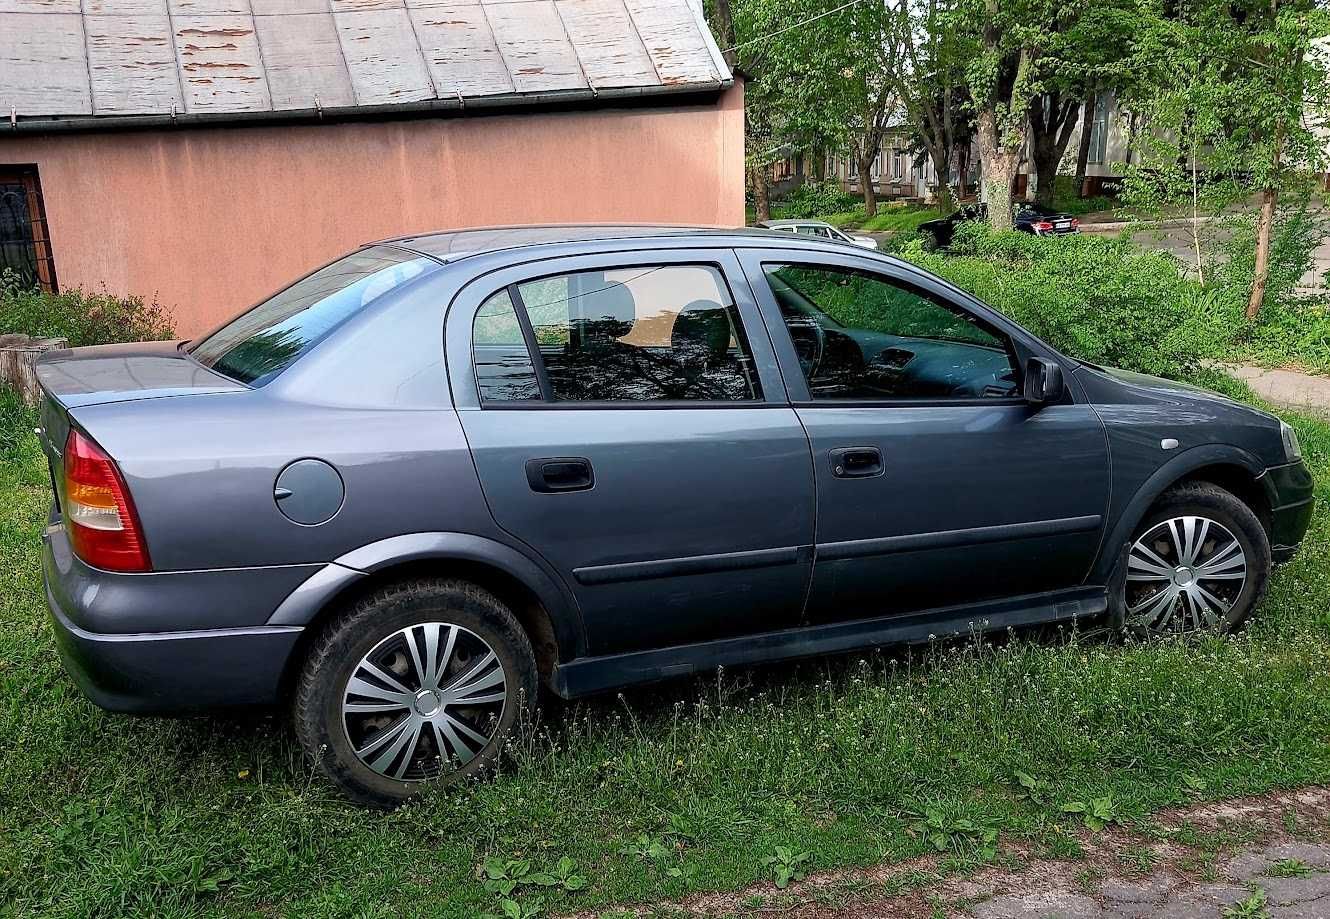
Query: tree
x=1087, y=51
x=945, y=136
x=1002, y=83
x=820, y=85
x=930, y=82
x=1231, y=101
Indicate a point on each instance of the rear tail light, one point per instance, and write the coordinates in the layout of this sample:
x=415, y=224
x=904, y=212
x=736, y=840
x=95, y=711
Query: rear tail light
x=1075, y=222
x=99, y=514
x=1043, y=226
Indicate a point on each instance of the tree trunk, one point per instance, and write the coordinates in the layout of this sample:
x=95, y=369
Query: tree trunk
x=1264, y=226
x=817, y=165
x=757, y=177
x=962, y=170
x=942, y=166
x=866, y=182
x=1083, y=150
x=1045, y=168
x=999, y=171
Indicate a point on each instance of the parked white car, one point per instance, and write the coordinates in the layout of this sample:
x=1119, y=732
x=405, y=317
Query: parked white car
x=818, y=228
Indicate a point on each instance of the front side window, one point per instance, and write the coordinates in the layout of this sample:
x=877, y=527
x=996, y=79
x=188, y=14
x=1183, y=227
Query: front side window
x=256, y=346
x=650, y=333
x=861, y=336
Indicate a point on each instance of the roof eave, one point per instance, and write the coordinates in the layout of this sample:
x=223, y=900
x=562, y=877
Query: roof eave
x=461, y=105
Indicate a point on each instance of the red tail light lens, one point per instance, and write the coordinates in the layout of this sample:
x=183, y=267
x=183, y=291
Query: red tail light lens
x=1075, y=222
x=1043, y=226
x=99, y=514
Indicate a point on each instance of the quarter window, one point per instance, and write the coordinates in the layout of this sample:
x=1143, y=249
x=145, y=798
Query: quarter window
x=651, y=333
x=860, y=336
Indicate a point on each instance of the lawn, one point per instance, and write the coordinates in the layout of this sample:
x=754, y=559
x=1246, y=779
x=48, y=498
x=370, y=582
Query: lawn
x=658, y=792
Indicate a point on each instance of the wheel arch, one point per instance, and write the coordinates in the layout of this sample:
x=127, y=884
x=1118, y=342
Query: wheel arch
x=542, y=607
x=1230, y=468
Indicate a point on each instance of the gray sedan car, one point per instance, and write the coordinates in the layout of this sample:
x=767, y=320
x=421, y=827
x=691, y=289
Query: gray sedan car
x=446, y=473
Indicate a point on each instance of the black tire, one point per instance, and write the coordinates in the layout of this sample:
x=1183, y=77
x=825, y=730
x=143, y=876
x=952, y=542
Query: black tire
x=376, y=621
x=1210, y=502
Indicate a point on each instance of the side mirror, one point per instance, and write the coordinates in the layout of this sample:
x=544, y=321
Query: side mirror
x=1043, y=381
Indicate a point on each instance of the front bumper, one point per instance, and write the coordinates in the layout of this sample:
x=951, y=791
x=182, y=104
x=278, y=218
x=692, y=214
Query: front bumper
x=1291, y=493
x=157, y=671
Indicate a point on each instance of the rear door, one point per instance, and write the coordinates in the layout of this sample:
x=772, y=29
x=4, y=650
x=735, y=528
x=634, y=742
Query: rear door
x=937, y=484
x=648, y=452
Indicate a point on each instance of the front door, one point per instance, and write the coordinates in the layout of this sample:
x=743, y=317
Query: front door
x=937, y=484
x=648, y=452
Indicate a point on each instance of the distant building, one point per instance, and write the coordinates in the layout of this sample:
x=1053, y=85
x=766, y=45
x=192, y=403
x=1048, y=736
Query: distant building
x=205, y=152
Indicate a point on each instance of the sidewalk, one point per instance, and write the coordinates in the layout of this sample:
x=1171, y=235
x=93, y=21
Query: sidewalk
x=1266, y=856
x=1286, y=388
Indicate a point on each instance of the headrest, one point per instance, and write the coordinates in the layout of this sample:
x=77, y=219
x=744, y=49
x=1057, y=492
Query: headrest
x=701, y=333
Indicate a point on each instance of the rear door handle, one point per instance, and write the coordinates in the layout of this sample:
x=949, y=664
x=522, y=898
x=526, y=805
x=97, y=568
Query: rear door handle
x=856, y=462
x=559, y=473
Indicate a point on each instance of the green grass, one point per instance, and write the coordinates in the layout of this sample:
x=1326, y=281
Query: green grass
x=852, y=761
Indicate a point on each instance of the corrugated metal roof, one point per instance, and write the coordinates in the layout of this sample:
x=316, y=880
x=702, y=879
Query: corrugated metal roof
x=111, y=60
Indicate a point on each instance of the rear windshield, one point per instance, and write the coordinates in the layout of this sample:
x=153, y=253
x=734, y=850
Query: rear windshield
x=255, y=347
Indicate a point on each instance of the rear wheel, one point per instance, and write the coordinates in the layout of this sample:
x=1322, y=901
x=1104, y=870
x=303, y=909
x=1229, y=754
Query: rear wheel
x=419, y=683
x=1199, y=561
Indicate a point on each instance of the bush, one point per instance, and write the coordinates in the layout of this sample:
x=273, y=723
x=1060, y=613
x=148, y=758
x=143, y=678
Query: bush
x=1096, y=298
x=814, y=200
x=83, y=318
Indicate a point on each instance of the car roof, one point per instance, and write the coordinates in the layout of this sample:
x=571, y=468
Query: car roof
x=792, y=223
x=451, y=245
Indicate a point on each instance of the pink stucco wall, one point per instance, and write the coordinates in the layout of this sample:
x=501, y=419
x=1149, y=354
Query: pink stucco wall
x=209, y=221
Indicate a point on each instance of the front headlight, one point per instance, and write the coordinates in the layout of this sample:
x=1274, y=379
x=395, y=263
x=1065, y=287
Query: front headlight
x=1292, y=450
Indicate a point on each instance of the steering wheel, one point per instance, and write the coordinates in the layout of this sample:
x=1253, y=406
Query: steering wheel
x=810, y=342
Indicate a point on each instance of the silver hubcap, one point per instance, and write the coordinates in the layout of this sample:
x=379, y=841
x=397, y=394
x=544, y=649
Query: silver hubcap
x=425, y=699
x=1184, y=574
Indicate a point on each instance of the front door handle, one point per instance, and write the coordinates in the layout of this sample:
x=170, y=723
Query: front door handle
x=559, y=473
x=856, y=462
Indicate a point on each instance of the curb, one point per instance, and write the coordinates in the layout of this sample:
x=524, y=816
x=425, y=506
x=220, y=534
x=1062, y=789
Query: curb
x=1117, y=226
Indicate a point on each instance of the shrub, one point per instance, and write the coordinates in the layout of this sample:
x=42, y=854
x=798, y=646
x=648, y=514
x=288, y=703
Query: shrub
x=814, y=199
x=1096, y=298
x=82, y=317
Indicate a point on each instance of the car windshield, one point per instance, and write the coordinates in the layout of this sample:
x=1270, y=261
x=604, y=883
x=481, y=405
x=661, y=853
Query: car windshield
x=256, y=346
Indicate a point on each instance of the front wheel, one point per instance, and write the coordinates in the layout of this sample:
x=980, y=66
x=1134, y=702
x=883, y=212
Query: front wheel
x=419, y=683
x=1200, y=561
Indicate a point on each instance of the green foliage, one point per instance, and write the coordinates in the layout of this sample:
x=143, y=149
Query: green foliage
x=1097, y=298
x=787, y=865
x=945, y=832
x=812, y=200
x=1298, y=231
x=83, y=318
x=1253, y=906
x=1096, y=813
x=17, y=419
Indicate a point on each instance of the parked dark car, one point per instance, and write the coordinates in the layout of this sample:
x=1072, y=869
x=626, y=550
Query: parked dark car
x=445, y=471
x=1026, y=217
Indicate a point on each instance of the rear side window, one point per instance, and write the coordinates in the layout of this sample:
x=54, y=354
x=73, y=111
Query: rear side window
x=650, y=333
x=255, y=347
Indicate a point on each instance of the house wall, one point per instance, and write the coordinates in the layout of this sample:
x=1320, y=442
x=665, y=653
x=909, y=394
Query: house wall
x=209, y=221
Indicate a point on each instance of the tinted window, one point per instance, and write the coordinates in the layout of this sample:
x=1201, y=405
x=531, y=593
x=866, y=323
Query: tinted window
x=504, y=371
x=667, y=332
x=863, y=336
x=263, y=342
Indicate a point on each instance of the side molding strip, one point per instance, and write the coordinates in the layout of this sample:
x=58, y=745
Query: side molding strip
x=949, y=539
x=693, y=564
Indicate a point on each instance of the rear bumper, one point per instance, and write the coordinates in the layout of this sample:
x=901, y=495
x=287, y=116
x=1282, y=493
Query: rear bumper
x=158, y=672
x=1290, y=491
